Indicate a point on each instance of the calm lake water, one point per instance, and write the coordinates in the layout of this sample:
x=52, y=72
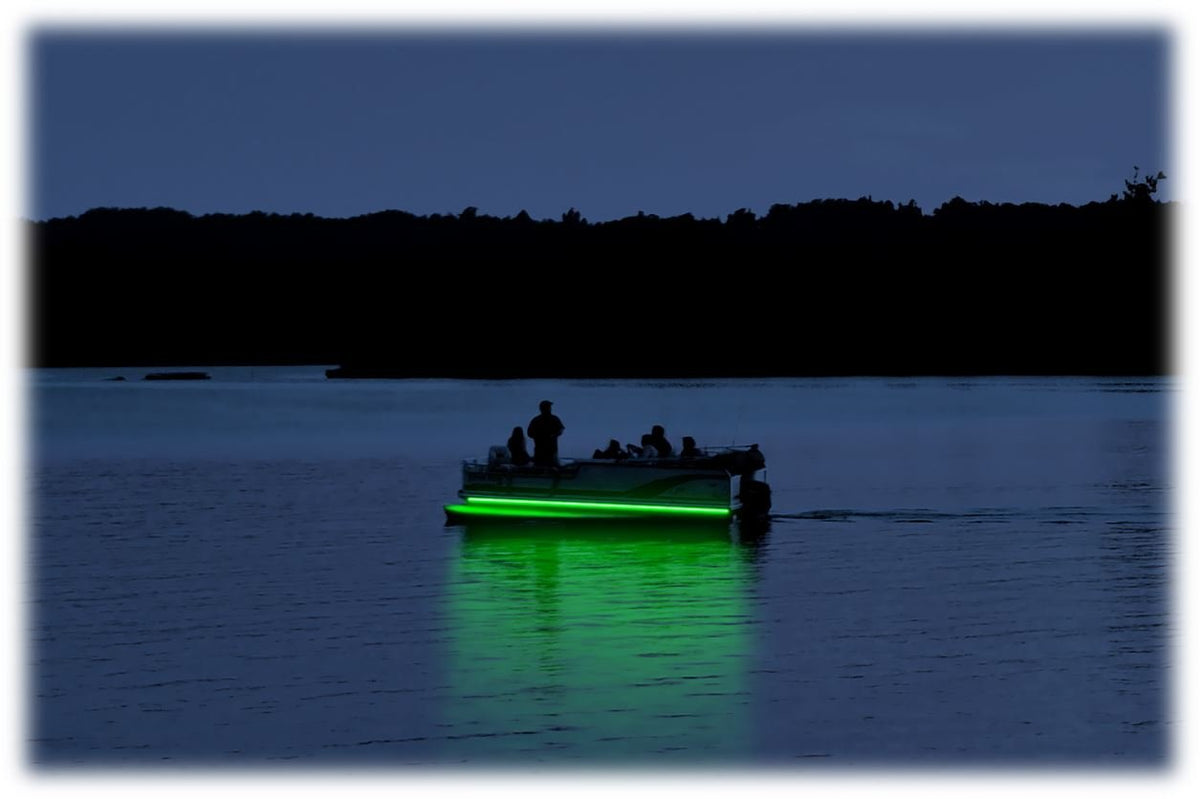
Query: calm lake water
x=256, y=570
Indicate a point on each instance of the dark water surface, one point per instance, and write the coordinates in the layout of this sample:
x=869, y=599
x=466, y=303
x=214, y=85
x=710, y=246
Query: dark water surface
x=255, y=570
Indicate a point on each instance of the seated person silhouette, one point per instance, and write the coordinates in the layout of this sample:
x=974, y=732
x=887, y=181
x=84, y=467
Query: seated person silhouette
x=658, y=437
x=646, y=450
x=613, y=452
x=516, y=447
x=690, y=450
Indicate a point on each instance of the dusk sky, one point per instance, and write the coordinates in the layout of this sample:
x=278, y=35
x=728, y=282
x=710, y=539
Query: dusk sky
x=609, y=121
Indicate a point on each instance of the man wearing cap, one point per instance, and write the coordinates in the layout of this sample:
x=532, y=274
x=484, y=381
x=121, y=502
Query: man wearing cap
x=544, y=429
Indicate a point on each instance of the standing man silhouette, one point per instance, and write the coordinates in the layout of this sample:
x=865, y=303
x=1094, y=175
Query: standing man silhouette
x=544, y=429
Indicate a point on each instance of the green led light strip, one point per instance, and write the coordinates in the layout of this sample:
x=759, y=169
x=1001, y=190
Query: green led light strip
x=512, y=506
x=523, y=513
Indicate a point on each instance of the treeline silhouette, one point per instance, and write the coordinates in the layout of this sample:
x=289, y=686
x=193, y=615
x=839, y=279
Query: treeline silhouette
x=828, y=287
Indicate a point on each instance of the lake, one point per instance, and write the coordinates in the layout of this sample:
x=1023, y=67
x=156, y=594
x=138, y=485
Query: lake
x=256, y=570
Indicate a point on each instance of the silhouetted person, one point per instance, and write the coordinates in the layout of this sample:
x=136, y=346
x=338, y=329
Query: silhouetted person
x=614, y=451
x=516, y=447
x=690, y=450
x=646, y=450
x=544, y=429
x=658, y=437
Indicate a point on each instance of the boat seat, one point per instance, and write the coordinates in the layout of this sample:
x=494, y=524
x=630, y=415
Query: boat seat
x=498, y=455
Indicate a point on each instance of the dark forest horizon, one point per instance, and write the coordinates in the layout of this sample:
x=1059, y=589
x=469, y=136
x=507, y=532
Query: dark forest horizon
x=825, y=287
x=1141, y=187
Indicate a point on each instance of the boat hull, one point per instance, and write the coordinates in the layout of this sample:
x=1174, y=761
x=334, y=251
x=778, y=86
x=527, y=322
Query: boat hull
x=600, y=490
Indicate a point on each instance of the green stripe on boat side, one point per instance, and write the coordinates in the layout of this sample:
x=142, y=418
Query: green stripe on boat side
x=511, y=506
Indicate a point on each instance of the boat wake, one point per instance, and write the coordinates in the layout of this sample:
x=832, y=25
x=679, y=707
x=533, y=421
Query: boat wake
x=1056, y=515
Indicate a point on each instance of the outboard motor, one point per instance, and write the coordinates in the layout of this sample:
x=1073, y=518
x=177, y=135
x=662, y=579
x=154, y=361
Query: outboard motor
x=755, y=494
x=756, y=498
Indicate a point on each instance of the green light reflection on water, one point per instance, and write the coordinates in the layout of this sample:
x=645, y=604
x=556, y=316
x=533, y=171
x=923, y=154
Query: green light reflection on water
x=603, y=644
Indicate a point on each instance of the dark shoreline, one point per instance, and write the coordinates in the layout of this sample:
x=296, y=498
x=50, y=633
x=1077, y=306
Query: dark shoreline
x=825, y=288
x=137, y=372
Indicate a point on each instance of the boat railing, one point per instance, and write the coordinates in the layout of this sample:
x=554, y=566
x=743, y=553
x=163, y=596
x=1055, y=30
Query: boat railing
x=736, y=459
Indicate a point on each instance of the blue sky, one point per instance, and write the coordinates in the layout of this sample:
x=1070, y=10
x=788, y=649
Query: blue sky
x=610, y=121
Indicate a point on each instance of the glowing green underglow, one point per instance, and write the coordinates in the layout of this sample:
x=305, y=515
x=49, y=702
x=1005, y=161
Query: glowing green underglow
x=534, y=506
x=523, y=513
